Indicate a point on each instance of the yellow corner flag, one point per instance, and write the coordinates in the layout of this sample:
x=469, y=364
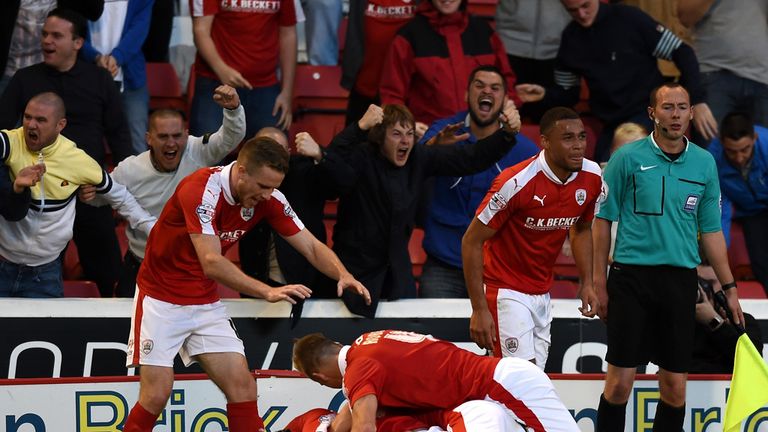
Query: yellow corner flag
x=749, y=385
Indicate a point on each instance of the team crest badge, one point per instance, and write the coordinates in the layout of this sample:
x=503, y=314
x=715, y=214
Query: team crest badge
x=288, y=211
x=205, y=212
x=246, y=213
x=497, y=202
x=512, y=344
x=147, y=345
x=581, y=196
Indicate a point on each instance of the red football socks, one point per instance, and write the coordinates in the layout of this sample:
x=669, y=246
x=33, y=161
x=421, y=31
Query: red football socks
x=243, y=417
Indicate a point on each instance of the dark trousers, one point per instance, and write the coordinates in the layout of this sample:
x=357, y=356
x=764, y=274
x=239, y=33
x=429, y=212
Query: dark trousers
x=126, y=284
x=756, y=237
x=357, y=105
x=97, y=246
x=532, y=71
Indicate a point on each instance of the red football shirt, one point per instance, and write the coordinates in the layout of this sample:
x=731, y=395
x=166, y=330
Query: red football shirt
x=383, y=18
x=532, y=211
x=246, y=35
x=411, y=370
x=202, y=204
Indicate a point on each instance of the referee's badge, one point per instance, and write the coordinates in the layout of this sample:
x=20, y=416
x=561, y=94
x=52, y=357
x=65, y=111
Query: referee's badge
x=690, y=203
x=581, y=196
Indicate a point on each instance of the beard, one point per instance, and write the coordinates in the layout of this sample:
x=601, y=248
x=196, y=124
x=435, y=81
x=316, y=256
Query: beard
x=483, y=123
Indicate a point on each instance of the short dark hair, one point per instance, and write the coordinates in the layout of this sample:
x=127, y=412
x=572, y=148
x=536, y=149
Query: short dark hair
x=263, y=151
x=553, y=115
x=737, y=125
x=309, y=351
x=393, y=114
x=487, y=68
x=79, y=23
x=670, y=85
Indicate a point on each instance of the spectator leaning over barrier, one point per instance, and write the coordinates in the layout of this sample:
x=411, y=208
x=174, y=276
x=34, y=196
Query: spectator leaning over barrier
x=152, y=176
x=30, y=248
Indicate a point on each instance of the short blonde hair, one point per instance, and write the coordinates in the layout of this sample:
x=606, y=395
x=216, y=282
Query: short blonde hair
x=627, y=133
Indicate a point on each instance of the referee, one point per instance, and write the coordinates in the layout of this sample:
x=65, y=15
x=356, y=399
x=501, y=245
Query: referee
x=664, y=191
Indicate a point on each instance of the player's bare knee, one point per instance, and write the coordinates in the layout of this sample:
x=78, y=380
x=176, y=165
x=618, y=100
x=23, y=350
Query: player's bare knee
x=240, y=390
x=617, y=391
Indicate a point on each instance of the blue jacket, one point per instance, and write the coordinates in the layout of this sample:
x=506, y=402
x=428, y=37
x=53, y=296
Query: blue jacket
x=128, y=52
x=455, y=199
x=748, y=197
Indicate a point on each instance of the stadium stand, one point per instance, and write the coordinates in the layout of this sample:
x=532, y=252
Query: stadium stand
x=164, y=87
x=81, y=288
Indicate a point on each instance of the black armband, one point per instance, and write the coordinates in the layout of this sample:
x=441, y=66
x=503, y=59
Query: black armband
x=728, y=286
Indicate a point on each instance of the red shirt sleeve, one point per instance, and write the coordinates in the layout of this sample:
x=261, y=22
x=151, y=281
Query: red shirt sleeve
x=366, y=376
x=199, y=208
x=287, y=15
x=281, y=217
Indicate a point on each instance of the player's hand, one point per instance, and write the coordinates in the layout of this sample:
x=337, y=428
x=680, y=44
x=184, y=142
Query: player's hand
x=419, y=130
x=28, y=177
x=288, y=293
x=86, y=193
x=447, y=136
x=226, y=97
x=733, y=304
x=232, y=78
x=349, y=283
x=530, y=92
x=704, y=121
x=283, y=106
x=373, y=116
x=589, y=301
x=510, y=117
x=482, y=328
x=602, y=298
x=307, y=146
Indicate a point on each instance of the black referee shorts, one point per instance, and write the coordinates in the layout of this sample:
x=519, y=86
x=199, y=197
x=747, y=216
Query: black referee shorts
x=651, y=316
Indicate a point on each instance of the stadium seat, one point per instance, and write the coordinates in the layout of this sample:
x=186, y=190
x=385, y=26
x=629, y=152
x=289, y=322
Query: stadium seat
x=563, y=289
x=416, y=251
x=319, y=102
x=565, y=268
x=331, y=209
x=738, y=256
x=751, y=290
x=164, y=87
x=81, y=288
x=329, y=223
x=531, y=131
x=483, y=8
x=71, y=268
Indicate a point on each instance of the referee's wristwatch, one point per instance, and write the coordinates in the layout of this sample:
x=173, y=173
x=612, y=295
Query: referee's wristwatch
x=715, y=323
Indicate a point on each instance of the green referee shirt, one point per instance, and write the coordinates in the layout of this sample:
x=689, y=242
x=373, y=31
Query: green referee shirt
x=661, y=205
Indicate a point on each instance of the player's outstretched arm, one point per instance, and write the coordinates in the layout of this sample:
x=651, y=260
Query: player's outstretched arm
x=364, y=414
x=223, y=271
x=581, y=244
x=323, y=259
x=481, y=325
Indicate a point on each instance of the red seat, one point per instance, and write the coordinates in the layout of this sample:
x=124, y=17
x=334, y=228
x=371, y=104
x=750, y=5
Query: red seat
x=751, y=290
x=565, y=268
x=329, y=223
x=531, y=131
x=738, y=256
x=164, y=87
x=318, y=88
x=71, y=268
x=323, y=126
x=331, y=208
x=482, y=8
x=81, y=288
x=416, y=251
x=563, y=289
x=227, y=292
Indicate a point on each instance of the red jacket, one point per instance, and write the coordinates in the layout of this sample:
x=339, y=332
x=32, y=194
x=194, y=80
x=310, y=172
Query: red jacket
x=430, y=60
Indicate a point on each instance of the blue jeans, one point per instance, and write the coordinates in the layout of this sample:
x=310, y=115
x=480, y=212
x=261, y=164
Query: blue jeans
x=206, y=116
x=136, y=106
x=440, y=280
x=43, y=281
x=322, y=30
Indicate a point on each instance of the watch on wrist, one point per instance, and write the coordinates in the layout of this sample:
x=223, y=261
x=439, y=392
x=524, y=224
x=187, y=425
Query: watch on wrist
x=715, y=323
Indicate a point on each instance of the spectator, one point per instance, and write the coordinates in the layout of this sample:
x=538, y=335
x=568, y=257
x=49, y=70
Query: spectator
x=398, y=369
x=726, y=35
x=114, y=43
x=207, y=214
x=664, y=190
x=510, y=248
x=371, y=27
x=531, y=32
x=152, y=176
x=15, y=195
x=615, y=49
x=95, y=115
x=22, y=22
x=454, y=200
x=741, y=155
x=715, y=336
x=378, y=203
x=322, y=31
x=30, y=248
x=157, y=43
x=626, y=133
x=430, y=60
x=243, y=47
